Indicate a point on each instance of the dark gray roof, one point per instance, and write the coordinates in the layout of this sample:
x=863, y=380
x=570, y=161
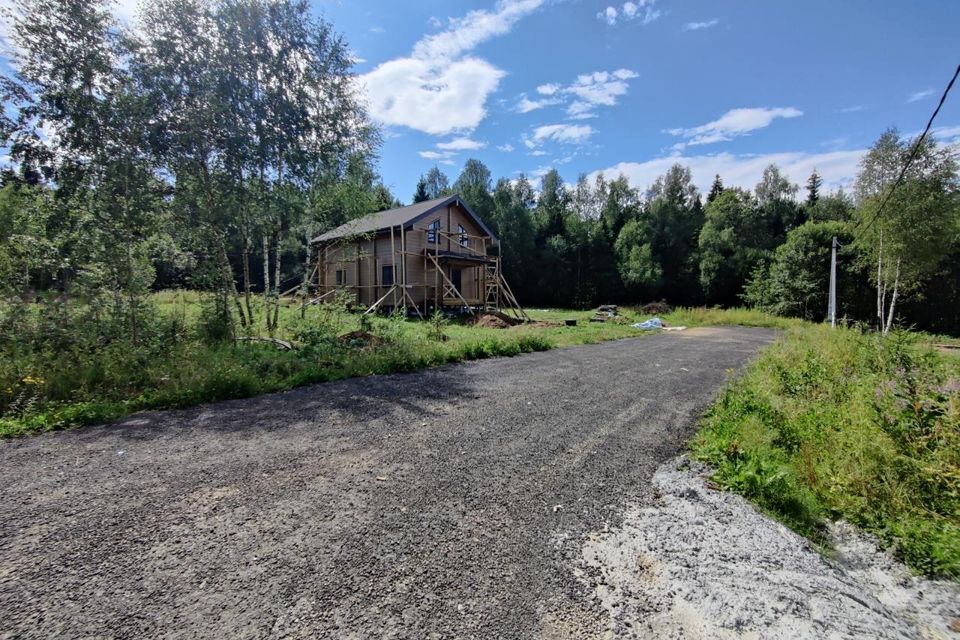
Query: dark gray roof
x=404, y=216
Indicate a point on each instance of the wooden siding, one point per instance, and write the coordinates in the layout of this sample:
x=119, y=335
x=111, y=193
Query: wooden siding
x=421, y=275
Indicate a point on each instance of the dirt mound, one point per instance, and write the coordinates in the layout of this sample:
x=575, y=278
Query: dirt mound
x=494, y=320
x=360, y=338
x=655, y=308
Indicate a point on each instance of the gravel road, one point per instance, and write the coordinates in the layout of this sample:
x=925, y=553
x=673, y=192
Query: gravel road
x=446, y=503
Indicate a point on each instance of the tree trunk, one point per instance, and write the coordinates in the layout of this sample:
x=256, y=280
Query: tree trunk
x=266, y=280
x=229, y=284
x=276, y=279
x=246, y=276
x=245, y=232
x=880, y=283
x=305, y=286
x=893, y=299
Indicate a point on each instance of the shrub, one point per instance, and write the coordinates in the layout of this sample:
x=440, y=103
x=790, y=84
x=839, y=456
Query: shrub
x=843, y=424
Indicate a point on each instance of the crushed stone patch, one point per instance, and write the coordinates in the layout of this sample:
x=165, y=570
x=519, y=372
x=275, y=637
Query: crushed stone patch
x=702, y=563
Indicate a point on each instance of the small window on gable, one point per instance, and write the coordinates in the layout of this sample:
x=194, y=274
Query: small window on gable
x=386, y=275
x=341, y=277
x=433, y=231
x=462, y=235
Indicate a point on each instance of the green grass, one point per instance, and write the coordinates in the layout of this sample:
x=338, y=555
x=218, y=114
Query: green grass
x=72, y=372
x=839, y=424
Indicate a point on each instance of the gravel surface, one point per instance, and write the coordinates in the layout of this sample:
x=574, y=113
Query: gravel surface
x=446, y=503
x=701, y=563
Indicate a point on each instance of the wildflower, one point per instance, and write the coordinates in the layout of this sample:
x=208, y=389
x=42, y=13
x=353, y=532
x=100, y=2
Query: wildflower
x=33, y=380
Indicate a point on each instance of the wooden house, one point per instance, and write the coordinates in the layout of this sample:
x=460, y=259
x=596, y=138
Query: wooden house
x=431, y=255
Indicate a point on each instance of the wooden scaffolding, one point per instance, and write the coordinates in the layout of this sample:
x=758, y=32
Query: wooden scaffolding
x=421, y=272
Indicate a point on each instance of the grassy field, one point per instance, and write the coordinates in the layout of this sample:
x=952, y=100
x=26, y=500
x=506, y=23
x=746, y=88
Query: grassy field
x=827, y=424
x=82, y=381
x=839, y=424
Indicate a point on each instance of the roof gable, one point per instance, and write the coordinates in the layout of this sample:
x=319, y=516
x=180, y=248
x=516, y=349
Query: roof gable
x=403, y=216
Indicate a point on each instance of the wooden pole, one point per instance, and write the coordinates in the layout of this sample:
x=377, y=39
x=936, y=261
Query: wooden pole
x=425, y=274
x=403, y=266
x=483, y=277
x=358, y=283
x=436, y=275
x=393, y=265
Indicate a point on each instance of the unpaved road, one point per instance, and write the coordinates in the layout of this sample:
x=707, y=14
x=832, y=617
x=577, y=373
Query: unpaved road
x=446, y=503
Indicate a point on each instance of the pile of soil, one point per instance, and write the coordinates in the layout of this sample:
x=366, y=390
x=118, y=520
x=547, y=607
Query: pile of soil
x=494, y=320
x=655, y=308
x=362, y=339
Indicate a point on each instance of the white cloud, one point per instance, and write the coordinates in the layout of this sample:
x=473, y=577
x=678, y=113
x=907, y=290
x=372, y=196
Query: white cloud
x=420, y=95
x=601, y=88
x=641, y=10
x=506, y=148
x=434, y=155
x=852, y=109
x=581, y=111
x=920, y=95
x=562, y=133
x=949, y=135
x=526, y=105
x=476, y=27
x=461, y=144
x=438, y=89
x=733, y=123
x=610, y=15
x=838, y=168
x=588, y=91
x=697, y=26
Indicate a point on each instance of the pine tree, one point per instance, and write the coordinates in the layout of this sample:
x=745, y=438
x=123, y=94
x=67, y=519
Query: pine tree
x=813, y=188
x=716, y=189
x=421, y=194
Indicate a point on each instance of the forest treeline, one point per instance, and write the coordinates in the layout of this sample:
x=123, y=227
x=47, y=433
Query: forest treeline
x=204, y=149
x=601, y=240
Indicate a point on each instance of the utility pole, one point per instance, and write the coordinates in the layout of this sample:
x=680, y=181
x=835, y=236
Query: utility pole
x=832, y=306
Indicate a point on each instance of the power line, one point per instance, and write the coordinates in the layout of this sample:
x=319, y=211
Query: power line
x=914, y=153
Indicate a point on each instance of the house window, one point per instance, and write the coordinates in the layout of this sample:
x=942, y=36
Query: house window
x=386, y=275
x=433, y=231
x=462, y=233
x=341, y=277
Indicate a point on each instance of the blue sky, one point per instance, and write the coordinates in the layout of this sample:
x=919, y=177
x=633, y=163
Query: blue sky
x=723, y=86
x=586, y=85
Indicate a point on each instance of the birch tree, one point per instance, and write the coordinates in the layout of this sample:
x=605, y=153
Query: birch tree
x=910, y=237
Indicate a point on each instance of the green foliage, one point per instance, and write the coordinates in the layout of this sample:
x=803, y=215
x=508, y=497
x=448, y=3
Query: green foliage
x=796, y=282
x=912, y=236
x=437, y=324
x=843, y=424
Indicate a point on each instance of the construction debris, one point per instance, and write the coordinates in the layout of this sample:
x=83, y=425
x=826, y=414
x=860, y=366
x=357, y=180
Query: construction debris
x=605, y=312
x=653, y=324
x=280, y=344
x=494, y=320
x=655, y=309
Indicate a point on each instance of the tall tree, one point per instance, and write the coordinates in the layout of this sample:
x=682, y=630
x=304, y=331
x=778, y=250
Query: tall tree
x=909, y=239
x=71, y=67
x=474, y=186
x=421, y=194
x=814, y=182
x=438, y=185
x=734, y=240
x=715, y=189
x=775, y=197
x=674, y=217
